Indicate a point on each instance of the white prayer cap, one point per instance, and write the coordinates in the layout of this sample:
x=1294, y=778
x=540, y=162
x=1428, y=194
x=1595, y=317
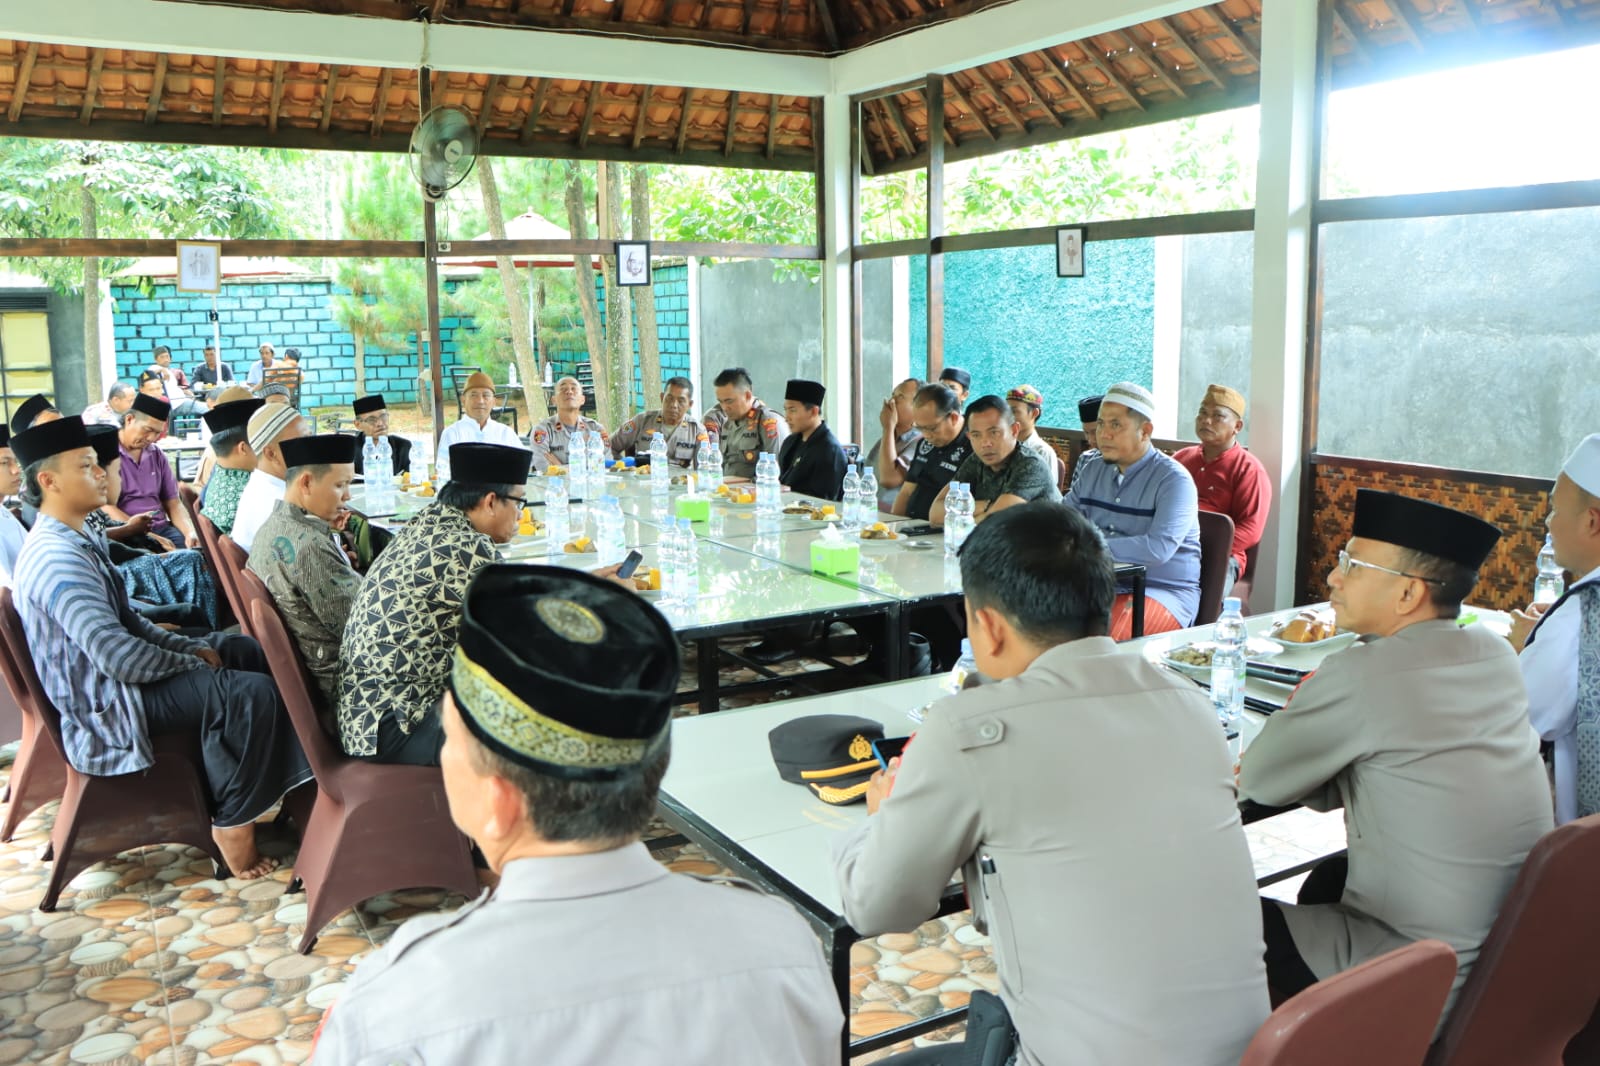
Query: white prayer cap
x=1135, y=398
x=1583, y=465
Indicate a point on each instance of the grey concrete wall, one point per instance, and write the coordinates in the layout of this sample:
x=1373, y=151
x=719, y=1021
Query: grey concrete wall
x=1215, y=341
x=877, y=340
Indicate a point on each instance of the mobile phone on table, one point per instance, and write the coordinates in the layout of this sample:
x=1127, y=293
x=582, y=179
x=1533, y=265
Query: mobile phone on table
x=889, y=748
x=630, y=564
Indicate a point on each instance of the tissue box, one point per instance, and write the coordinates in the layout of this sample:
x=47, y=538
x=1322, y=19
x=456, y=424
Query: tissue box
x=841, y=558
x=694, y=508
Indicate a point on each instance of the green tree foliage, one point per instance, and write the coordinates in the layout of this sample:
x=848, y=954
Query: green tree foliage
x=380, y=202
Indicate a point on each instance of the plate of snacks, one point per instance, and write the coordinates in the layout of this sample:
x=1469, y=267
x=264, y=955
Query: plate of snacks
x=648, y=584
x=878, y=535
x=578, y=546
x=1311, y=628
x=1195, y=658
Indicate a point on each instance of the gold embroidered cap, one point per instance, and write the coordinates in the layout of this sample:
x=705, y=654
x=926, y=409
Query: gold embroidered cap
x=831, y=754
x=563, y=672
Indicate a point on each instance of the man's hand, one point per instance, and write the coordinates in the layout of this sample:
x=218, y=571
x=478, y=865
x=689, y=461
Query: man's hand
x=341, y=521
x=209, y=656
x=1522, y=623
x=610, y=574
x=880, y=784
x=163, y=543
x=888, y=416
x=138, y=525
x=191, y=540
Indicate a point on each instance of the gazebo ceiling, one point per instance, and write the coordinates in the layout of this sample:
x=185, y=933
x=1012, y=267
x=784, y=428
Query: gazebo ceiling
x=1202, y=60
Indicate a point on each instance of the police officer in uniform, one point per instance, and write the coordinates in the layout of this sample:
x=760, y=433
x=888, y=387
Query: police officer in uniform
x=549, y=439
x=672, y=420
x=557, y=723
x=744, y=427
x=811, y=461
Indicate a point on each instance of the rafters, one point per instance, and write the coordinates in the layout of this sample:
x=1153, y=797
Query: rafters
x=19, y=88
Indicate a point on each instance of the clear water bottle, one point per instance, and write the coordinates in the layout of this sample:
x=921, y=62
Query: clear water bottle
x=369, y=467
x=660, y=468
x=556, y=514
x=610, y=542
x=442, y=467
x=688, y=565
x=769, y=493
x=868, y=496
x=958, y=516
x=1551, y=582
x=1227, y=668
x=852, y=501
x=597, y=464
x=710, y=466
x=576, y=447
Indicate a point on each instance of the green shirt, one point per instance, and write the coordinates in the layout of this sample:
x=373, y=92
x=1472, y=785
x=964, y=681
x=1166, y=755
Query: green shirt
x=222, y=497
x=1023, y=474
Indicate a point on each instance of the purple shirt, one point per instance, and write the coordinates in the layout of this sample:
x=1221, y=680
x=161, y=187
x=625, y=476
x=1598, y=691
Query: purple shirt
x=148, y=484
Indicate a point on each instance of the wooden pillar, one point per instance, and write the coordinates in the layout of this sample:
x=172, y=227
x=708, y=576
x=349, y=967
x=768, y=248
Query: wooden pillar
x=430, y=252
x=934, y=94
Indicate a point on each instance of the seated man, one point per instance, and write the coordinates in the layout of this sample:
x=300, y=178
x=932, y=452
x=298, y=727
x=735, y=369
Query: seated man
x=957, y=381
x=234, y=461
x=1027, y=404
x=268, y=428
x=1420, y=732
x=891, y=456
x=395, y=658
x=936, y=414
x=549, y=440
x=149, y=486
x=556, y=724
x=810, y=462
x=119, y=680
x=211, y=374
x=116, y=404
x=12, y=531
x=744, y=426
x=1144, y=504
x=672, y=420
x=1228, y=478
x=1554, y=639
x=1000, y=472
x=174, y=385
x=1097, y=961
x=372, y=419
x=35, y=411
x=477, y=424
x=1089, y=418
x=299, y=558
x=256, y=376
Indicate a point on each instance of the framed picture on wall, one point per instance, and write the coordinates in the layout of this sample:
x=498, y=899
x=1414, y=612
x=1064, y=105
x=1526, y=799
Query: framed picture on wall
x=1069, y=251
x=633, y=262
x=199, y=266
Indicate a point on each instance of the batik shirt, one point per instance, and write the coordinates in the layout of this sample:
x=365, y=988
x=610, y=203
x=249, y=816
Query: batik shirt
x=313, y=584
x=395, y=659
x=221, y=502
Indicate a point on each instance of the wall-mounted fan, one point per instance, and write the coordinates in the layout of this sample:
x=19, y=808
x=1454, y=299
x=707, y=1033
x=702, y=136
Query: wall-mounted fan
x=444, y=146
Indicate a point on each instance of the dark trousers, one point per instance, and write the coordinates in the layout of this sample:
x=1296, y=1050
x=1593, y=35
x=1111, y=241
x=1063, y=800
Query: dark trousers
x=251, y=754
x=1287, y=972
x=420, y=747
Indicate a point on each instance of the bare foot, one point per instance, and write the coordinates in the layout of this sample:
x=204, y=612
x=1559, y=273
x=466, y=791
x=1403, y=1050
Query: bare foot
x=238, y=847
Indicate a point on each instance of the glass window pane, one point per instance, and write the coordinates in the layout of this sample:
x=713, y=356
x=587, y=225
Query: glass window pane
x=1465, y=342
x=1211, y=312
x=894, y=206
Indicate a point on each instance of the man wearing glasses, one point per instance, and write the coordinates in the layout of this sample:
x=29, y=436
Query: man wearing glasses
x=1230, y=480
x=372, y=419
x=936, y=414
x=1420, y=731
x=395, y=658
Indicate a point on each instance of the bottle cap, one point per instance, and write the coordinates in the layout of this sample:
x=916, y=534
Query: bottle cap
x=1231, y=603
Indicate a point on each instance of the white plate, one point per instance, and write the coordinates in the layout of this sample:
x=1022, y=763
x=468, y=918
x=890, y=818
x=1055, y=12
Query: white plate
x=1255, y=648
x=1278, y=627
x=879, y=547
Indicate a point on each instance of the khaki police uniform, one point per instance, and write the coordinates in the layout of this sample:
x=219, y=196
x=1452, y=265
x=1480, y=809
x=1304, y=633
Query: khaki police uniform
x=593, y=959
x=760, y=430
x=1094, y=798
x=633, y=438
x=1423, y=738
x=549, y=440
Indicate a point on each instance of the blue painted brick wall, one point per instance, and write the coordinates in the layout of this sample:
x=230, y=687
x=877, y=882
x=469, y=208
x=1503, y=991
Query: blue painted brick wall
x=671, y=284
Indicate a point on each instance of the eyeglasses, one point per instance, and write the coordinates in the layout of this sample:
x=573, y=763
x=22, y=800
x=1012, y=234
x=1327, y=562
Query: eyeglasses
x=926, y=430
x=1346, y=561
x=518, y=500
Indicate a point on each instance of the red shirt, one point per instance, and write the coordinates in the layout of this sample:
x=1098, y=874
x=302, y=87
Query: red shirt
x=1235, y=484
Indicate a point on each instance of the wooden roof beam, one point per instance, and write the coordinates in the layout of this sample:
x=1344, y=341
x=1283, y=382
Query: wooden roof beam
x=987, y=85
x=1194, y=52
x=1410, y=21
x=733, y=123
x=683, y=121
x=327, y=98
x=1019, y=70
x=1226, y=27
x=953, y=87
x=92, y=86
x=1108, y=71
x=1155, y=63
x=642, y=116
x=219, y=79
x=897, y=122
x=772, y=124
x=158, y=84
x=276, y=98
x=535, y=111
x=830, y=27
x=381, y=104
x=589, y=106
x=1357, y=49
x=486, y=104
x=1064, y=78
x=19, y=87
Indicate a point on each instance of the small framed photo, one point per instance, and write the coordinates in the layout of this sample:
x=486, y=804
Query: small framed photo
x=199, y=266
x=1069, y=252
x=633, y=262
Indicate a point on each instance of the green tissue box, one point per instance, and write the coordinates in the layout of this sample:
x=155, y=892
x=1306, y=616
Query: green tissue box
x=694, y=508
x=835, y=558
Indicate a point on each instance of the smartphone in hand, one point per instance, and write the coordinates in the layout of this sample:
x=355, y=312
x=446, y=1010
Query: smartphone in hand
x=630, y=564
x=889, y=748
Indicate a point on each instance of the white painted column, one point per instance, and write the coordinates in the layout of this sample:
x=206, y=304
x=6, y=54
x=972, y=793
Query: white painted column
x=1168, y=335
x=834, y=179
x=704, y=394
x=1285, y=186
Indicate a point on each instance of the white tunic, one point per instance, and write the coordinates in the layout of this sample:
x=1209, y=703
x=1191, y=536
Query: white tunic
x=467, y=431
x=261, y=493
x=1550, y=670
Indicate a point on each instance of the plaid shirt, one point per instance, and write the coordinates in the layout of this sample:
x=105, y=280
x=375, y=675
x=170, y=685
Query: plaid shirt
x=395, y=659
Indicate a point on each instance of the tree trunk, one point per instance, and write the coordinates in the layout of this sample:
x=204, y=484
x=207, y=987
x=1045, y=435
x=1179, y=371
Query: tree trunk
x=644, y=306
x=94, y=381
x=583, y=266
x=619, y=312
x=516, y=306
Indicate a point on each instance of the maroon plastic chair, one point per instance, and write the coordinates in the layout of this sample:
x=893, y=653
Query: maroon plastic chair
x=38, y=776
x=1247, y=580
x=1381, y=1013
x=101, y=817
x=208, y=550
x=373, y=828
x=231, y=562
x=1216, y=544
x=1537, y=979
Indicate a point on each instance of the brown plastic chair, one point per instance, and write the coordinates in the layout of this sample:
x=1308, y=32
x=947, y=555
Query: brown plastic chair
x=374, y=828
x=38, y=776
x=1381, y=1013
x=1247, y=580
x=1537, y=979
x=101, y=817
x=231, y=561
x=1216, y=544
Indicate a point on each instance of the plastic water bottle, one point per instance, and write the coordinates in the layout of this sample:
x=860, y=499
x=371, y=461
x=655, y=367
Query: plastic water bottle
x=610, y=543
x=1551, y=582
x=958, y=516
x=556, y=513
x=868, y=496
x=442, y=467
x=369, y=471
x=852, y=501
x=660, y=470
x=1227, y=667
x=688, y=569
x=769, y=493
x=710, y=467
x=597, y=464
x=576, y=447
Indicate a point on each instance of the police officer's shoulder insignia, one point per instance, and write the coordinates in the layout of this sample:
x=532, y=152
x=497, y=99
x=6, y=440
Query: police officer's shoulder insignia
x=770, y=427
x=539, y=436
x=980, y=732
